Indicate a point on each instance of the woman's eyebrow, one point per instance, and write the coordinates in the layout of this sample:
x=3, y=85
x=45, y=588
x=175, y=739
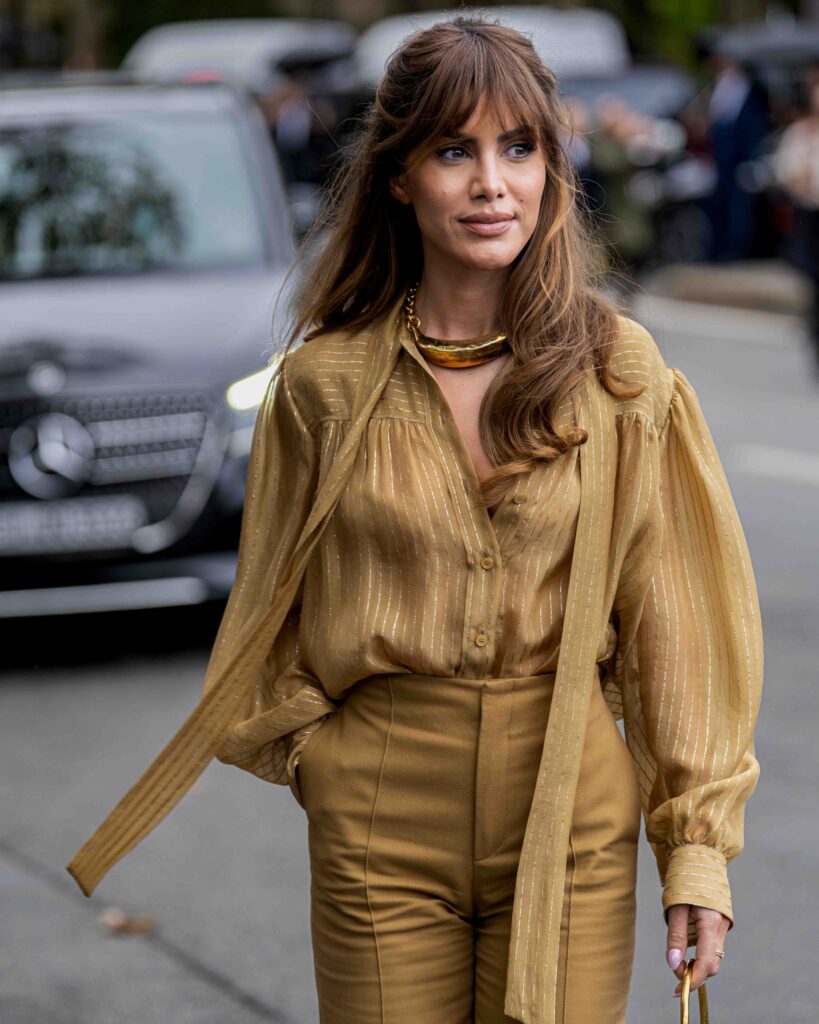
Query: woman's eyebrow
x=503, y=137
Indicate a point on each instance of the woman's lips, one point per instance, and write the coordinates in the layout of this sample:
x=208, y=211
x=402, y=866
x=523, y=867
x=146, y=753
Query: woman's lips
x=479, y=228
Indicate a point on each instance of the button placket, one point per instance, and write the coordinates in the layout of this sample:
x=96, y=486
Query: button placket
x=483, y=553
x=520, y=524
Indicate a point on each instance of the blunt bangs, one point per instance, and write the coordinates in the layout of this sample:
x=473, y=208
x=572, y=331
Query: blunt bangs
x=457, y=87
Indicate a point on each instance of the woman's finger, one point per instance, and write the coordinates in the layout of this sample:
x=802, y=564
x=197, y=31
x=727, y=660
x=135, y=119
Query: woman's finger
x=677, y=940
x=710, y=934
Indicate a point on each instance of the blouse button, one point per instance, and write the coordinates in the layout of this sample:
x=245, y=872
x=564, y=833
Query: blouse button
x=481, y=639
x=518, y=499
x=487, y=562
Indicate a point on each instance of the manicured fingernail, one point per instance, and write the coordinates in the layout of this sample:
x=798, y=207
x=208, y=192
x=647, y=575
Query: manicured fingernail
x=674, y=956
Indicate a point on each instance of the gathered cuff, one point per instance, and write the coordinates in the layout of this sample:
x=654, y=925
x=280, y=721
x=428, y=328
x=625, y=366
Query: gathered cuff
x=698, y=875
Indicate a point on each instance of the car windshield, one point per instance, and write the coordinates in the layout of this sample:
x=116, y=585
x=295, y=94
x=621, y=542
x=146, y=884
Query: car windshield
x=119, y=195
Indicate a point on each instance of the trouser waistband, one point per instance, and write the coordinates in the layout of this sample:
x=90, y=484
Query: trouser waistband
x=467, y=682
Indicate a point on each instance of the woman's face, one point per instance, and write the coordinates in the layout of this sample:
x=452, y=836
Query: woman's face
x=491, y=172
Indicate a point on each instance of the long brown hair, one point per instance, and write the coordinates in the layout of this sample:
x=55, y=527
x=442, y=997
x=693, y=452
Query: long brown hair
x=557, y=321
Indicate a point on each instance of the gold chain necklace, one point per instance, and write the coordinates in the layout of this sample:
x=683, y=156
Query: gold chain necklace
x=454, y=355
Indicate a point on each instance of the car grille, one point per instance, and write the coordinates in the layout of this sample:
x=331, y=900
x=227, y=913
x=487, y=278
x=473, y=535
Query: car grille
x=148, y=473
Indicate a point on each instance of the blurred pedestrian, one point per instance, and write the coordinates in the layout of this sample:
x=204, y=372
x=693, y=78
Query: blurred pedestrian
x=625, y=222
x=796, y=169
x=301, y=124
x=737, y=123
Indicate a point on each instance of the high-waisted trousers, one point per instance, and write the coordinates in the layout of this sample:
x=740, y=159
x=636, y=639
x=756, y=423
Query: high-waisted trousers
x=417, y=792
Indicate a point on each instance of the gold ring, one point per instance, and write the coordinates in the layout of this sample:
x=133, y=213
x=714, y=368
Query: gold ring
x=720, y=953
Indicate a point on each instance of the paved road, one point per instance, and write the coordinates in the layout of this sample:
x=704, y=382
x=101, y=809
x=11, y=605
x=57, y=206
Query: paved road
x=85, y=705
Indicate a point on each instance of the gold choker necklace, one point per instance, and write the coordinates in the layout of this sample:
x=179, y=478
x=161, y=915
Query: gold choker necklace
x=451, y=354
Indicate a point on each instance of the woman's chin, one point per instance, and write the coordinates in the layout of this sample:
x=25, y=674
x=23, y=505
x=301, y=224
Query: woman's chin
x=488, y=254
x=488, y=261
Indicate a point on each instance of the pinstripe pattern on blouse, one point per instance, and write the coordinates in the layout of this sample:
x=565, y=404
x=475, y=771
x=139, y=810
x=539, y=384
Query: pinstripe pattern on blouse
x=357, y=465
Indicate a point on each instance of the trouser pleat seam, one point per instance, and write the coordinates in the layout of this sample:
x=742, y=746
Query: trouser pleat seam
x=568, y=894
x=367, y=856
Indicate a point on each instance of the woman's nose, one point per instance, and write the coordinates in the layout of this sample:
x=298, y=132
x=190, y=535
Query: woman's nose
x=489, y=179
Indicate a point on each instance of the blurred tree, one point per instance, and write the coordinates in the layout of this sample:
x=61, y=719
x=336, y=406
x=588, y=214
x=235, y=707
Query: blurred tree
x=13, y=29
x=99, y=32
x=667, y=28
x=29, y=35
x=129, y=20
x=86, y=32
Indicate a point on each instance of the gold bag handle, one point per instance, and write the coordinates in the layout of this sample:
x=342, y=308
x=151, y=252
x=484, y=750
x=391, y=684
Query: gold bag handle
x=684, y=994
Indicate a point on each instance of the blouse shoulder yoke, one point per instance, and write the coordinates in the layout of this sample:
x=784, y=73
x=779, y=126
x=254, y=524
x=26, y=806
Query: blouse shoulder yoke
x=636, y=358
x=323, y=373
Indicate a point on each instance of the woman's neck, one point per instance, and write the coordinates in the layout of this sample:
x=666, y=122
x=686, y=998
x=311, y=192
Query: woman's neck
x=454, y=307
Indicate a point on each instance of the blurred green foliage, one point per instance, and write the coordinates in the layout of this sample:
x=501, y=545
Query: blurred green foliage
x=127, y=21
x=665, y=28
x=655, y=28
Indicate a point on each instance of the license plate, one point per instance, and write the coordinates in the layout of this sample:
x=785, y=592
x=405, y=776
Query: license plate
x=69, y=524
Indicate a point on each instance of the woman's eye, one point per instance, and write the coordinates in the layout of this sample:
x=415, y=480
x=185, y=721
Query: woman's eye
x=448, y=149
x=527, y=148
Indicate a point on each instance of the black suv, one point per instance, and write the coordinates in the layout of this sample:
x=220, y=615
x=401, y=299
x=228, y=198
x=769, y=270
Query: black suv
x=145, y=234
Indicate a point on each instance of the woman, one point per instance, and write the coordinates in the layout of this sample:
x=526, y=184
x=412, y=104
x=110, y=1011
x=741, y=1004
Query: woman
x=483, y=521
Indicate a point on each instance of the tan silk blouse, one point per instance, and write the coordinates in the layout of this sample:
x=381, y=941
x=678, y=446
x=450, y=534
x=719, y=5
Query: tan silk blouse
x=361, y=552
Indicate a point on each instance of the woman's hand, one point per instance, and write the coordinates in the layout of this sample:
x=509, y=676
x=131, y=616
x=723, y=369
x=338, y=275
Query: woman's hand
x=711, y=926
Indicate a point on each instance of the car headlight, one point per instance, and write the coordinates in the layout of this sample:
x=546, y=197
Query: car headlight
x=247, y=392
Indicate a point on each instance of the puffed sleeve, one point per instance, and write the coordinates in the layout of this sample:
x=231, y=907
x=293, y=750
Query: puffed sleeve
x=285, y=703
x=257, y=699
x=690, y=660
